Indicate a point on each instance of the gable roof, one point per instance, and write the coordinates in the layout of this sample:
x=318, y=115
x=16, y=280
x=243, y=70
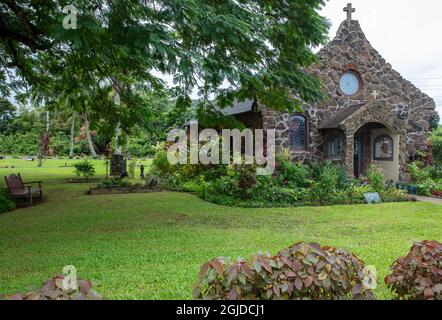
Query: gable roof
x=238, y=107
x=352, y=43
x=340, y=117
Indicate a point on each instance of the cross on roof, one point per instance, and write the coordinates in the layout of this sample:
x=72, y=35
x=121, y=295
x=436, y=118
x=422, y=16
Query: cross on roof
x=349, y=9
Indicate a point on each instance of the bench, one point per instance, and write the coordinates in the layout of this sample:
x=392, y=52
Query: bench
x=24, y=194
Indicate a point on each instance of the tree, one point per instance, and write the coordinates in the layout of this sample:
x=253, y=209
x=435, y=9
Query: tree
x=436, y=146
x=72, y=135
x=7, y=110
x=88, y=135
x=226, y=49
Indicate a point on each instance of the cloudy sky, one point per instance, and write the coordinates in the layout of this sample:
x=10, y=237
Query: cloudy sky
x=405, y=32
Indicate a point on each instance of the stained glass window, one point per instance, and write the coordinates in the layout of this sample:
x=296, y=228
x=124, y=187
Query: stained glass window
x=298, y=132
x=383, y=148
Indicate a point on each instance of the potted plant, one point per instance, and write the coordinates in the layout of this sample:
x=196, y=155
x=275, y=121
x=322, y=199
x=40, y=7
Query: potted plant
x=437, y=193
x=400, y=185
x=412, y=189
x=437, y=190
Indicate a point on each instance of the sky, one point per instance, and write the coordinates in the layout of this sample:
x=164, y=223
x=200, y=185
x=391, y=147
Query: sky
x=405, y=32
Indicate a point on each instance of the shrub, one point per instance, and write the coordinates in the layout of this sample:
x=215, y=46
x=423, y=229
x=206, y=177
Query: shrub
x=132, y=182
x=192, y=186
x=292, y=184
x=246, y=175
x=160, y=164
x=436, y=146
x=223, y=191
x=54, y=289
x=418, y=275
x=175, y=175
x=375, y=178
x=132, y=168
x=435, y=171
x=323, y=170
x=329, y=181
x=6, y=204
x=417, y=173
x=393, y=195
x=267, y=192
x=84, y=168
x=421, y=175
x=291, y=175
x=303, y=271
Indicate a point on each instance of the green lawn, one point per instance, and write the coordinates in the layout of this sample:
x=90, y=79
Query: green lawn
x=150, y=246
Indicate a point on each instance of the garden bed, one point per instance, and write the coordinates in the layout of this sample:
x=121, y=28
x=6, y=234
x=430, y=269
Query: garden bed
x=123, y=190
x=436, y=194
x=83, y=180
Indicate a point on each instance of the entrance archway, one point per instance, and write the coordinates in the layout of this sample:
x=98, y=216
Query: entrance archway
x=376, y=143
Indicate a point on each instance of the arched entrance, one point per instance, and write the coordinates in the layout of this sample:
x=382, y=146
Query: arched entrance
x=376, y=143
x=369, y=133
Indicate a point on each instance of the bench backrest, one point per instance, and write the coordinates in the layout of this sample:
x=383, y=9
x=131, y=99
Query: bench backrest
x=15, y=184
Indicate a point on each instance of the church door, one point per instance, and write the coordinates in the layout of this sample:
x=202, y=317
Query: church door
x=357, y=156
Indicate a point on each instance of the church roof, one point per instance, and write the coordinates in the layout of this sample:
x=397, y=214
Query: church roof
x=341, y=116
x=238, y=107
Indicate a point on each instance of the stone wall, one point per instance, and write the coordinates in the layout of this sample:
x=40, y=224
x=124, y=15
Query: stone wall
x=390, y=99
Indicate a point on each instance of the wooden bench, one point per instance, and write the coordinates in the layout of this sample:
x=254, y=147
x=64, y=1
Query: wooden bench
x=24, y=194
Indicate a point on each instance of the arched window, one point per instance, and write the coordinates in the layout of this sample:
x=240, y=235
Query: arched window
x=335, y=147
x=383, y=148
x=298, y=132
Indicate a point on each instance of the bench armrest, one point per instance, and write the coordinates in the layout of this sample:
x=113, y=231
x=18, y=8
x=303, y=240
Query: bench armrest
x=17, y=188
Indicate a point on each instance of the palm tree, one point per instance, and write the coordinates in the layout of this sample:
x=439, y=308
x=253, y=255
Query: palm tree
x=72, y=135
x=88, y=135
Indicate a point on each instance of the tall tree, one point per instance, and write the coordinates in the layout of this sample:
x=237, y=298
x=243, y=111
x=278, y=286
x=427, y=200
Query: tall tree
x=7, y=110
x=227, y=49
x=88, y=135
x=72, y=134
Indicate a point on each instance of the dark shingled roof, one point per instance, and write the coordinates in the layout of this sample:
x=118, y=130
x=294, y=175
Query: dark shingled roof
x=341, y=116
x=238, y=108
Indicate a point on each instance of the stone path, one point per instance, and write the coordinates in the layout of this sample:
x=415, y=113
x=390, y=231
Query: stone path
x=429, y=199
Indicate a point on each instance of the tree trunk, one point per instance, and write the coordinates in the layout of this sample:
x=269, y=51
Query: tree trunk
x=44, y=142
x=118, y=129
x=88, y=136
x=117, y=144
x=71, y=150
x=48, y=123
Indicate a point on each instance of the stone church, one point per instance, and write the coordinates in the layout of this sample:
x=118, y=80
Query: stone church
x=372, y=113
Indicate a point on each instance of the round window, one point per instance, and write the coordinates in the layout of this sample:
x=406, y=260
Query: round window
x=349, y=83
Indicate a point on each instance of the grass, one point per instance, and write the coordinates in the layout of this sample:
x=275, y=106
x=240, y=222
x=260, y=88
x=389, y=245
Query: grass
x=150, y=246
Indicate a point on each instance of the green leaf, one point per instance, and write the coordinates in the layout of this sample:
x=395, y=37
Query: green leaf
x=298, y=283
x=257, y=266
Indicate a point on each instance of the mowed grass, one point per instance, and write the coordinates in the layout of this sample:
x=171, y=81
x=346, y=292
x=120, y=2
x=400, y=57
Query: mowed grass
x=150, y=246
